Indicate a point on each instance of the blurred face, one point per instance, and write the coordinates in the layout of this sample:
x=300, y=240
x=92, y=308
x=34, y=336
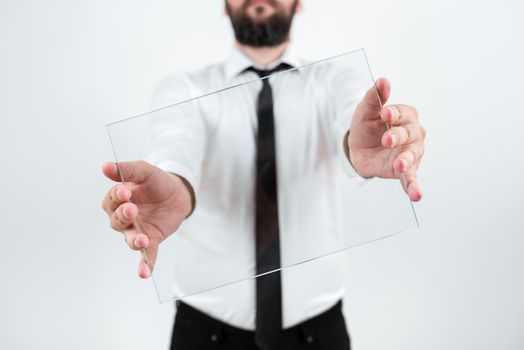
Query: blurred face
x=261, y=22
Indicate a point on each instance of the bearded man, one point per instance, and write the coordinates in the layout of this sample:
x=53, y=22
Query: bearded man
x=288, y=309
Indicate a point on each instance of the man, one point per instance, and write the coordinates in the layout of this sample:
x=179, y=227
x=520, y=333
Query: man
x=277, y=311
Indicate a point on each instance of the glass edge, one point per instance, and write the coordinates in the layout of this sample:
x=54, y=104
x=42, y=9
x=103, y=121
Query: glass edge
x=174, y=298
x=342, y=250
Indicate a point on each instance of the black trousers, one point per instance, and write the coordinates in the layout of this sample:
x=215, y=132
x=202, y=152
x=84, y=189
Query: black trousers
x=195, y=330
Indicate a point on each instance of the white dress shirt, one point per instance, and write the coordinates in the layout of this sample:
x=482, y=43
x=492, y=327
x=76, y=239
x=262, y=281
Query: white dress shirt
x=214, y=148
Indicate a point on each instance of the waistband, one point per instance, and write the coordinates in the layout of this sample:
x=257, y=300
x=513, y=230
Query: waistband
x=210, y=327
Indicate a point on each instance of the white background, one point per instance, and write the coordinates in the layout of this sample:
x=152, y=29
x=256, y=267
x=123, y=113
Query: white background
x=68, y=67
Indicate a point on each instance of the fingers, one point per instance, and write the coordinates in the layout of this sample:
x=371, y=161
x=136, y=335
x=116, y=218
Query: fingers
x=110, y=170
x=137, y=171
x=406, y=128
x=399, y=115
x=143, y=268
x=407, y=163
x=408, y=158
x=123, y=216
x=411, y=186
x=146, y=265
x=383, y=87
x=116, y=196
x=402, y=135
x=123, y=220
x=136, y=241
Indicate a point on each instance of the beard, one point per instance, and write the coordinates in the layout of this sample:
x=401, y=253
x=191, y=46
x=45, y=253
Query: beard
x=272, y=31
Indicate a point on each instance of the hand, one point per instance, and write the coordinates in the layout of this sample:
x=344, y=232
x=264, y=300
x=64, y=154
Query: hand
x=160, y=202
x=376, y=151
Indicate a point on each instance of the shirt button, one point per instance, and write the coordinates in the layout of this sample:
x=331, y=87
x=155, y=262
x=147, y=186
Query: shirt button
x=310, y=339
x=214, y=337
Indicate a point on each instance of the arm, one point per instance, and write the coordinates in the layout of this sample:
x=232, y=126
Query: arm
x=158, y=195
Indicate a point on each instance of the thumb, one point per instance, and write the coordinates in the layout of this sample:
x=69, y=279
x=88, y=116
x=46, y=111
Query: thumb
x=136, y=171
x=374, y=99
x=110, y=170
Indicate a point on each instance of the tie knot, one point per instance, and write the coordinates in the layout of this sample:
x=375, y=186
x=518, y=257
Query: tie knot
x=264, y=73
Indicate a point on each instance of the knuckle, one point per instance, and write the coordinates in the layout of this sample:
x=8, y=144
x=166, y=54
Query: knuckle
x=396, y=112
x=112, y=194
x=113, y=225
x=408, y=157
x=399, y=134
x=423, y=131
x=103, y=204
x=411, y=175
x=408, y=133
x=121, y=218
x=414, y=154
x=414, y=111
x=107, y=210
x=410, y=112
x=417, y=133
x=106, y=204
x=145, y=167
x=118, y=222
x=129, y=241
x=142, y=163
x=414, y=132
x=421, y=154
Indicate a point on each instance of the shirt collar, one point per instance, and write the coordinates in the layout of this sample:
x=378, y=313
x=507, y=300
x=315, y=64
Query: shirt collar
x=238, y=62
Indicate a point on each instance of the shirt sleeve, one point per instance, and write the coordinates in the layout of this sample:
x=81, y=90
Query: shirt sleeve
x=178, y=130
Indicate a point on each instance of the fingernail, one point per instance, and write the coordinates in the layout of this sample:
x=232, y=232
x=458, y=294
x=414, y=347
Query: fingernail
x=125, y=213
x=137, y=243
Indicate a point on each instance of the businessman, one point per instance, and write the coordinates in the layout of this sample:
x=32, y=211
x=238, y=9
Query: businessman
x=279, y=310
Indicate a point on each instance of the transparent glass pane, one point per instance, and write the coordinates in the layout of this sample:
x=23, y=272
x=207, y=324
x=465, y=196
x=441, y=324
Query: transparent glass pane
x=210, y=140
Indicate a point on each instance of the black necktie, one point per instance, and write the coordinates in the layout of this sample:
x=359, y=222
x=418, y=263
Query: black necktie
x=268, y=287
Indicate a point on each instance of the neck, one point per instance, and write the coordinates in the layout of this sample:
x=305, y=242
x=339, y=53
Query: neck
x=263, y=56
